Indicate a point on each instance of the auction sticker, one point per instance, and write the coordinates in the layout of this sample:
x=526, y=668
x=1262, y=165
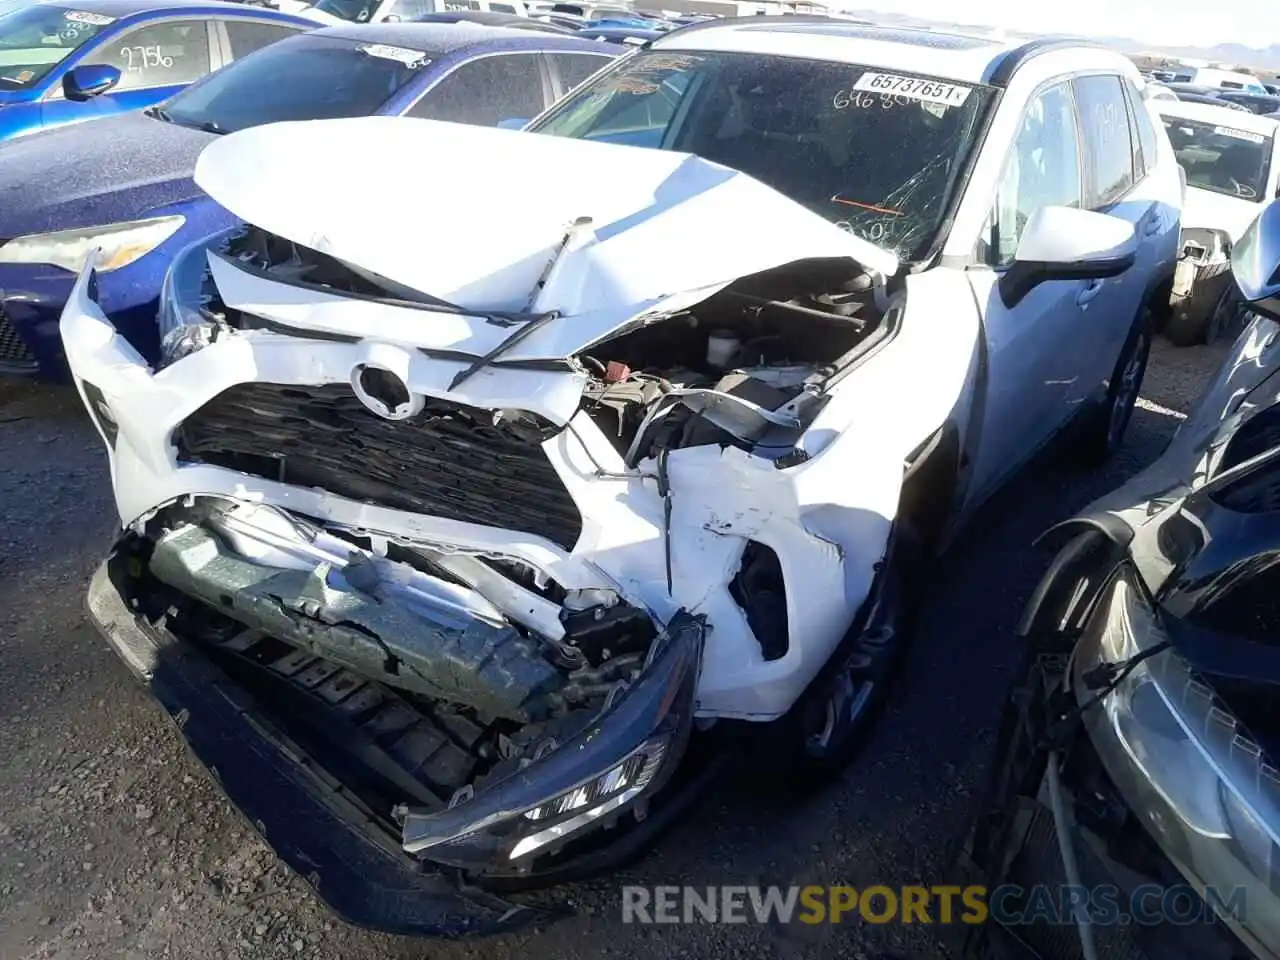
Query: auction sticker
x=1239, y=134
x=410, y=58
x=93, y=19
x=913, y=88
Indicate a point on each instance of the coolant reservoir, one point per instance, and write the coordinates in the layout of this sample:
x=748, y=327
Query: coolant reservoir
x=722, y=347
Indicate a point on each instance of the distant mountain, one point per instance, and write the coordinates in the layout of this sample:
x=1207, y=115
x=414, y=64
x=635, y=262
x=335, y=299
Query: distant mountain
x=1265, y=58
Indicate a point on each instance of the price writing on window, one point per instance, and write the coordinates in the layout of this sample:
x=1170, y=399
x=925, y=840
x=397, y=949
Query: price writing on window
x=142, y=59
x=913, y=88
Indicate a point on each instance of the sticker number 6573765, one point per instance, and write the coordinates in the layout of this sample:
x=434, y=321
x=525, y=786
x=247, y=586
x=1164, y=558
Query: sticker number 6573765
x=914, y=88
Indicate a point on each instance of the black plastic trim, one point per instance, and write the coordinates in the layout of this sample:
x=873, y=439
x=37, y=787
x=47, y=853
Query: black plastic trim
x=1023, y=276
x=1001, y=72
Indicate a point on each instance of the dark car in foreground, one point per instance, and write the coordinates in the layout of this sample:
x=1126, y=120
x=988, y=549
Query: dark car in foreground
x=71, y=61
x=1137, y=761
x=59, y=197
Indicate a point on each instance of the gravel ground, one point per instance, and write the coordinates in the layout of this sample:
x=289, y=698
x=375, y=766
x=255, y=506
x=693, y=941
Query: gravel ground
x=114, y=843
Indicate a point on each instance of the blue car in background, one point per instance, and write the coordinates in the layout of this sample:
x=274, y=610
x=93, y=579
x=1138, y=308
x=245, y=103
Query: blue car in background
x=124, y=185
x=64, y=62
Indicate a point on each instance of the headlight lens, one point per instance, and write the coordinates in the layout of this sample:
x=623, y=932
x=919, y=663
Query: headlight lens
x=1189, y=772
x=607, y=769
x=588, y=803
x=119, y=244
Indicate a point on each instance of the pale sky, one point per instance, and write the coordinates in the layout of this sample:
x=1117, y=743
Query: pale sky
x=1201, y=23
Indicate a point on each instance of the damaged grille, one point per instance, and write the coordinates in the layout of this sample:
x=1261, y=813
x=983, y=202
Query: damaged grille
x=425, y=755
x=13, y=349
x=450, y=461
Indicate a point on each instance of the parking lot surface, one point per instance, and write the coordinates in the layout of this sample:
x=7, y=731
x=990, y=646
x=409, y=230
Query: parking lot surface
x=113, y=843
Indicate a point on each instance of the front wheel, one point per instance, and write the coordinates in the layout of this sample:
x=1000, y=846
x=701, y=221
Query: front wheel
x=1104, y=431
x=822, y=732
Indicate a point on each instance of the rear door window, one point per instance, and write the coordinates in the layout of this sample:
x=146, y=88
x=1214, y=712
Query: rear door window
x=246, y=36
x=1147, y=143
x=571, y=69
x=1108, y=151
x=158, y=55
x=409, y=9
x=487, y=91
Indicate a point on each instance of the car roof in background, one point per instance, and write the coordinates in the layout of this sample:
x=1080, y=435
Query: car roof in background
x=129, y=8
x=440, y=39
x=970, y=58
x=491, y=18
x=1212, y=113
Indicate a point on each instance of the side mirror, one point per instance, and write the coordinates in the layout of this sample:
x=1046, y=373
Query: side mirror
x=513, y=123
x=1255, y=263
x=87, y=82
x=1063, y=243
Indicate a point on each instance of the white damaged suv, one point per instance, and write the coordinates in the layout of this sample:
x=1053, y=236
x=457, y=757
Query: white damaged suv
x=551, y=474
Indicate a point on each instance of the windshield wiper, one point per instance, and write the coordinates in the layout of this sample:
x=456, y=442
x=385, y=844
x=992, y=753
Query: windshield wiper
x=208, y=126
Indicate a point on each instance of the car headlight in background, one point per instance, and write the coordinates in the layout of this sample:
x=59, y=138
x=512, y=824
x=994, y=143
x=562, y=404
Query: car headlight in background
x=119, y=244
x=1188, y=771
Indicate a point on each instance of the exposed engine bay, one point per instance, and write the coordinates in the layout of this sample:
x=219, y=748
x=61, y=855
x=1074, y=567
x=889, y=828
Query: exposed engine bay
x=746, y=367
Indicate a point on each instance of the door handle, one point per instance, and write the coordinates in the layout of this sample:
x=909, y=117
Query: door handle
x=1152, y=226
x=1093, y=288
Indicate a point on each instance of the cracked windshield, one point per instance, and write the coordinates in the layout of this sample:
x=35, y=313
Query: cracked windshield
x=876, y=153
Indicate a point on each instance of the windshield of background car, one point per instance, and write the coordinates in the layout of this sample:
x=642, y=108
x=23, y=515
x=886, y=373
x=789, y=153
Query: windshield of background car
x=305, y=77
x=35, y=39
x=1221, y=158
x=875, y=152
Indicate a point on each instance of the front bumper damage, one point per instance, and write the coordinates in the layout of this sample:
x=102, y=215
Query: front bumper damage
x=323, y=830
x=417, y=572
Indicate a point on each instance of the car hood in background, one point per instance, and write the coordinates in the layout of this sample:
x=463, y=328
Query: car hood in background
x=101, y=171
x=1217, y=211
x=445, y=218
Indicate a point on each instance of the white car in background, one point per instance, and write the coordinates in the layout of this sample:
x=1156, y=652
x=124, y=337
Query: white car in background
x=332, y=12
x=1232, y=171
x=664, y=438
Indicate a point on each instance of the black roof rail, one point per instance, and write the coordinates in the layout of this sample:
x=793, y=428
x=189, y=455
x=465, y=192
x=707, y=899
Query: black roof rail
x=762, y=18
x=1002, y=70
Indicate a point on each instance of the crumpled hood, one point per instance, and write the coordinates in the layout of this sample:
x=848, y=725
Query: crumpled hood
x=100, y=171
x=450, y=219
x=1217, y=211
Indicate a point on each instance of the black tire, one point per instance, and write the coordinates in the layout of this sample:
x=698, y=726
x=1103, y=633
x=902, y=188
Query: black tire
x=1103, y=432
x=1193, y=328
x=1187, y=329
x=858, y=678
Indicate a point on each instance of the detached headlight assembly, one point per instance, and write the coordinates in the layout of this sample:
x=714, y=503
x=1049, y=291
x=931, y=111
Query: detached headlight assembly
x=119, y=244
x=626, y=755
x=1189, y=772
